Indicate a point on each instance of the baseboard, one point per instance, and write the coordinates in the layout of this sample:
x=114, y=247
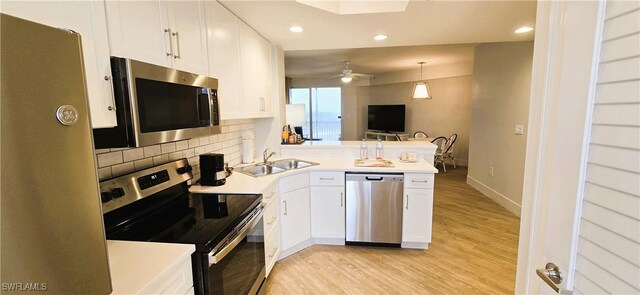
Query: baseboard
x=415, y=245
x=328, y=241
x=295, y=248
x=497, y=197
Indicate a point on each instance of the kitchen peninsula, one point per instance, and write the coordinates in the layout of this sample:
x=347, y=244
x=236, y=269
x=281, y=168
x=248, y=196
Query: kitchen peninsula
x=307, y=206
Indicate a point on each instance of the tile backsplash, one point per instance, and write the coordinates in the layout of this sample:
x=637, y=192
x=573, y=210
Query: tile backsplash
x=115, y=162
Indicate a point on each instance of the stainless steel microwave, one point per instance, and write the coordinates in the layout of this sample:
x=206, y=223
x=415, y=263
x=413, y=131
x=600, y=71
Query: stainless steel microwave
x=156, y=105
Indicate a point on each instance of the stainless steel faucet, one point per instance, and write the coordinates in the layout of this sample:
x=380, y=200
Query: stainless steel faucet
x=266, y=156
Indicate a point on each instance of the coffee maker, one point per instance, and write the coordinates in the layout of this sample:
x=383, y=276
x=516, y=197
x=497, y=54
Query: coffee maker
x=212, y=172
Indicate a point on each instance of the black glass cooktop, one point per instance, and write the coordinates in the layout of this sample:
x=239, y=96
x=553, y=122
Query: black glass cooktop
x=175, y=216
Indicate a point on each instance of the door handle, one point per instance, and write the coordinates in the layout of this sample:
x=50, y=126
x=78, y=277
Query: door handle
x=177, y=34
x=341, y=200
x=168, y=31
x=285, y=207
x=552, y=275
x=373, y=178
x=407, y=205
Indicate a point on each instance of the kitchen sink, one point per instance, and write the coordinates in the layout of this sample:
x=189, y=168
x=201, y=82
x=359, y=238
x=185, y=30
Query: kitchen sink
x=260, y=170
x=288, y=164
x=274, y=167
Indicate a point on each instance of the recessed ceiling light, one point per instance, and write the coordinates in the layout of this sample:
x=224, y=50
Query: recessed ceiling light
x=380, y=37
x=296, y=29
x=522, y=30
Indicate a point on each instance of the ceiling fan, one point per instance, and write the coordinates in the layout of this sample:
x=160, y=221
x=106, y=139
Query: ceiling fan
x=347, y=74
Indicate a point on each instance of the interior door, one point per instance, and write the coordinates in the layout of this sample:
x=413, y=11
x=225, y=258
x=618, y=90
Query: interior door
x=572, y=76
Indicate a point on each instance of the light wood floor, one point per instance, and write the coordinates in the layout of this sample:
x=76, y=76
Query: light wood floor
x=473, y=251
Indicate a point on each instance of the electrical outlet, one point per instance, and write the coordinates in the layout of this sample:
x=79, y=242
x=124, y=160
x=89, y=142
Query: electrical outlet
x=490, y=171
x=519, y=130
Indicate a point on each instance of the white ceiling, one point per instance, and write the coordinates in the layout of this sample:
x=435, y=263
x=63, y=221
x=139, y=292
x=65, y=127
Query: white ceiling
x=329, y=38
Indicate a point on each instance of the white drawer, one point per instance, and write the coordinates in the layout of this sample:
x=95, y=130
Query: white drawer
x=272, y=250
x=270, y=194
x=294, y=182
x=270, y=217
x=412, y=180
x=327, y=178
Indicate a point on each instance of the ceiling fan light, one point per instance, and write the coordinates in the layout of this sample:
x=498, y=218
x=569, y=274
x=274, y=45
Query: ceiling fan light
x=346, y=79
x=421, y=91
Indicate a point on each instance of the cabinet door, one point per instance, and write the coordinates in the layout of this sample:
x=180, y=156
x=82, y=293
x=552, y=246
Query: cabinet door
x=140, y=30
x=88, y=19
x=263, y=67
x=189, y=36
x=252, y=71
x=327, y=212
x=417, y=215
x=224, y=58
x=294, y=217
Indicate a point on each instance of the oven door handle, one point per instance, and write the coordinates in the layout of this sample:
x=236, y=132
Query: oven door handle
x=216, y=256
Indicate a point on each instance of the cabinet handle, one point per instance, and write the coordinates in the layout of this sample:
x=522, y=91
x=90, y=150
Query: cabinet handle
x=341, y=200
x=272, y=220
x=413, y=180
x=407, y=202
x=273, y=253
x=326, y=178
x=168, y=31
x=177, y=34
x=107, y=78
x=110, y=108
x=285, y=207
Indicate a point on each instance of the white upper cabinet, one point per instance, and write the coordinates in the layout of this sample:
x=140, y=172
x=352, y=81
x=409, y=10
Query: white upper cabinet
x=166, y=33
x=88, y=19
x=241, y=61
x=255, y=71
x=224, y=58
x=189, y=36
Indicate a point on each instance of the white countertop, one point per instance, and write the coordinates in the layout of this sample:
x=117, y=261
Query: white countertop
x=134, y=265
x=239, y=183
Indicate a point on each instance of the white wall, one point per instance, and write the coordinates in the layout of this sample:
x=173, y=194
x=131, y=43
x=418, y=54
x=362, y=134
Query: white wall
x=500, y=100
x=447, y=113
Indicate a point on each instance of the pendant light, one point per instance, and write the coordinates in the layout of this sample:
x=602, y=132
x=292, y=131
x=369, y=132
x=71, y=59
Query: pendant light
x=421, y=89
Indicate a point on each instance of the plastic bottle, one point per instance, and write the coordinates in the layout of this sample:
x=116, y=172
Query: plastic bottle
x=379, y=149
x=363, y=150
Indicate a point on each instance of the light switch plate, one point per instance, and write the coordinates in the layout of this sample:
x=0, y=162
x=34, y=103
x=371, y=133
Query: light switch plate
x=519, y=130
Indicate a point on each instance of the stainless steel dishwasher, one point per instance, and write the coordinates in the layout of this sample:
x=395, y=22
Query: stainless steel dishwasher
x=374, y=209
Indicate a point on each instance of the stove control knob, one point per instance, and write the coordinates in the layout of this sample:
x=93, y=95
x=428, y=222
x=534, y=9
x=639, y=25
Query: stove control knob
x=184, y=169
x=106, y=196
x=117, y=192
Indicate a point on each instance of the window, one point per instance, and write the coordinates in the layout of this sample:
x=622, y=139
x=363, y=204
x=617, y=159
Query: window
x=323, y=106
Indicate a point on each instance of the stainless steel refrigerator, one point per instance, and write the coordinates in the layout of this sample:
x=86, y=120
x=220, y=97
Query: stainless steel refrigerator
x=52, y=236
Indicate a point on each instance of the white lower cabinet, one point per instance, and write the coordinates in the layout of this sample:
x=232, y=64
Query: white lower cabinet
x=417, y=217
x=328, y=208
x=271, y=226
x=294, y=216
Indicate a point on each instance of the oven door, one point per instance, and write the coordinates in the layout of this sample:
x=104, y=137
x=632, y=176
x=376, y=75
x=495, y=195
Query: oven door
x=238, y=265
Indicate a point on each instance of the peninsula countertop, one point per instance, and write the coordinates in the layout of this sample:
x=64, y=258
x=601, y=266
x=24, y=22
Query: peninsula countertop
x=239, y=183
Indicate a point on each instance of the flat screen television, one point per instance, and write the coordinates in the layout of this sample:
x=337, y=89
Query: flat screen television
x=387, y=118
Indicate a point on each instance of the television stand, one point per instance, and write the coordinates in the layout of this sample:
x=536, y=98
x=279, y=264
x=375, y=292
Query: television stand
x=385, y=136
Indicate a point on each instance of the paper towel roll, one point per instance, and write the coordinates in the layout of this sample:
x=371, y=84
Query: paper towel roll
x=247, y=147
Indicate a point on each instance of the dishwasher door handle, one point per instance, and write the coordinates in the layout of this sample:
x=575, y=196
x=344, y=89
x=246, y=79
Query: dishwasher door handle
x=373, y=178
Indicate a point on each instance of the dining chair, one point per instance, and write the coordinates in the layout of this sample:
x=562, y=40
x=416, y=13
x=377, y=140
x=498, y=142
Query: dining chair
x=448, y=153
x=420, y=134
x=441, y=143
